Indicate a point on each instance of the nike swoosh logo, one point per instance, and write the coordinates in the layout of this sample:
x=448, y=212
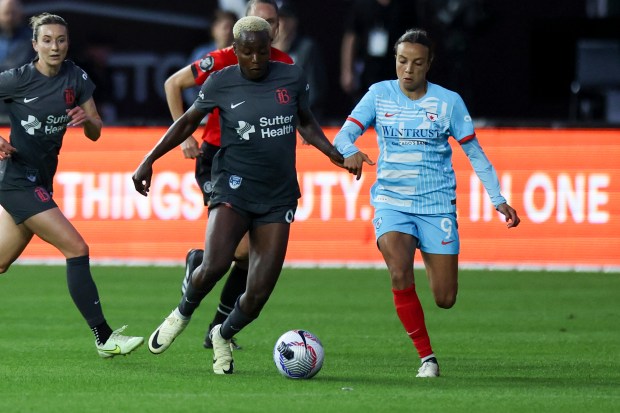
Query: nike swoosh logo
x=154, y=342
x=234, y=105
x=231, y=367
x=26, y=100
x=116, y=350
x=389, y=115
x=446, y=242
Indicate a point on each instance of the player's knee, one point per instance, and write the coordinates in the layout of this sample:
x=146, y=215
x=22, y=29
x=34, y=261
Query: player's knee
x=255, y=301
x=446, y=300
x=4, y=267
x=206, y=276
x=77, y=249
x=242, y=258
x=401, y=279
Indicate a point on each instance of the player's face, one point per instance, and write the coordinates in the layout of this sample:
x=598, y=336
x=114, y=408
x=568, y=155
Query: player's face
x=52, y=44
x=412, y=64
x=253, y=50
x=267, y=12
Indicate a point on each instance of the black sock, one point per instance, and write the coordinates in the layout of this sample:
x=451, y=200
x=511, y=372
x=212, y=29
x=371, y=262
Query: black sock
x=84, y=293
x=102, y=332
x=236, y=321
x=191, y=299
x=234, y=287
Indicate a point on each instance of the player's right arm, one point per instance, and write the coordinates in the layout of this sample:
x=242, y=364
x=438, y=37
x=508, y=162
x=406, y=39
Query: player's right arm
x=174, y=87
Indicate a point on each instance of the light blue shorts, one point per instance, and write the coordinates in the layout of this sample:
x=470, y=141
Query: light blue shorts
x=436, y=234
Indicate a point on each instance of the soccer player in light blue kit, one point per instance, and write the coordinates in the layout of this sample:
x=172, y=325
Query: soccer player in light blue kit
x=415, y=193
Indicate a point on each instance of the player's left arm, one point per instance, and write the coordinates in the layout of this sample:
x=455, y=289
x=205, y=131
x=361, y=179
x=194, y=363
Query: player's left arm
x=86, y=115
x=312, y=133
x=488, y=176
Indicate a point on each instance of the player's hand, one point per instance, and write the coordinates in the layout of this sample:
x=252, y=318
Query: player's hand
x=78, y=116
x=6, y=150
x=512, y=219
x=190, y=148
x=142, y=177
x=355, y=162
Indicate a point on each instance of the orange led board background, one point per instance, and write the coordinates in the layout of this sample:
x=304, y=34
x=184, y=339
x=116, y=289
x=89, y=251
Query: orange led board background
x=564, y=183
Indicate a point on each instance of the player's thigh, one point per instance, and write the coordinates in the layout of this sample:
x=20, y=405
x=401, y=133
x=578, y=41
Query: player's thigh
x=54, y=228
x=243, y=249
x=225, y=230
x=268, y=244
x=442, y=271
x=13, y=240
x=203, y=170
x=398, y=250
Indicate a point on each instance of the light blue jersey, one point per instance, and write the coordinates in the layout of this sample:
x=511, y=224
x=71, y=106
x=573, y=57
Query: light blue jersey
x=414, y=169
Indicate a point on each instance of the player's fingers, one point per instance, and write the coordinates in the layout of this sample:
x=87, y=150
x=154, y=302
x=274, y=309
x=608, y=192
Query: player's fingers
x=367, y=159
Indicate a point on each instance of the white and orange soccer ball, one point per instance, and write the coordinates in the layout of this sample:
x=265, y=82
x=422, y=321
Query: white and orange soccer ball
x=298, y=354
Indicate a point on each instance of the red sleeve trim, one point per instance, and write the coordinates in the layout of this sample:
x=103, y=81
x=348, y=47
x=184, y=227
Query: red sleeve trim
x=357, y=122
x=467, y=138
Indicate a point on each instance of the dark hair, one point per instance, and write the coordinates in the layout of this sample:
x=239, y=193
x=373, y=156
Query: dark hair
x=224, y=15
x=253, y=3
x=42, y=19
x=417, y=36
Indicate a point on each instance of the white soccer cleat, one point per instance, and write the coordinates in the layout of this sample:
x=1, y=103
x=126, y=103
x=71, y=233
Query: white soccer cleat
x=165, y=334
x=429, y=368
x=222, y=352
x=118, y=344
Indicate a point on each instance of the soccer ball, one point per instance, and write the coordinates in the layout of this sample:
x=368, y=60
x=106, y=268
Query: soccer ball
x=298, y=354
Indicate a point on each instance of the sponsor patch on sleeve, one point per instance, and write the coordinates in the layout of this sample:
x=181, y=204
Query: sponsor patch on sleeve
x=206, y=64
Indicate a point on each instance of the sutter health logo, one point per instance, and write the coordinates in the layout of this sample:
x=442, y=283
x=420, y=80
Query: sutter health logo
x=53, y=124
x=269, y=127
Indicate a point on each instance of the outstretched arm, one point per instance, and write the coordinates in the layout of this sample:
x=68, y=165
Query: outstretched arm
x=487, y=175
x=177, y=133
x=312, y=133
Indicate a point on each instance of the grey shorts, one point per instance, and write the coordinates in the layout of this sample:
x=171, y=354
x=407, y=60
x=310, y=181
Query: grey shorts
x=23, y=203
x=258, y=214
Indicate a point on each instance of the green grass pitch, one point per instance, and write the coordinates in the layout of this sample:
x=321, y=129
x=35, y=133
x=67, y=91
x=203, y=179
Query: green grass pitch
x=514, y=342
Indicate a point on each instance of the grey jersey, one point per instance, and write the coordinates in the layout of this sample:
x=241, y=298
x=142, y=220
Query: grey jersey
x=258, y=119
x=38, y=113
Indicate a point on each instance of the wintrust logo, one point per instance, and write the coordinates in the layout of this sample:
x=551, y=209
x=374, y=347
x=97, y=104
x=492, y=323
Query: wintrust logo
x=31, y=124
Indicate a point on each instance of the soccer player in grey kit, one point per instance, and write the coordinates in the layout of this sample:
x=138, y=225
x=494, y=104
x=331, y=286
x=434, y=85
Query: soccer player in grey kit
x=43, y=98
x=254, y=178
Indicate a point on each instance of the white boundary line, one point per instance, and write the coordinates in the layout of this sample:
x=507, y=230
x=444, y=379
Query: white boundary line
x=343, y=264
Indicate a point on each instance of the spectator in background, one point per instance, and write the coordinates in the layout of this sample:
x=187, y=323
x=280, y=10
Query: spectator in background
x=305, y=52
x=456, y=23
x=221, y=36
x=15, y=36
x=94, y=59
x=371, y=27
x=236, y=6
x=15, y=42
